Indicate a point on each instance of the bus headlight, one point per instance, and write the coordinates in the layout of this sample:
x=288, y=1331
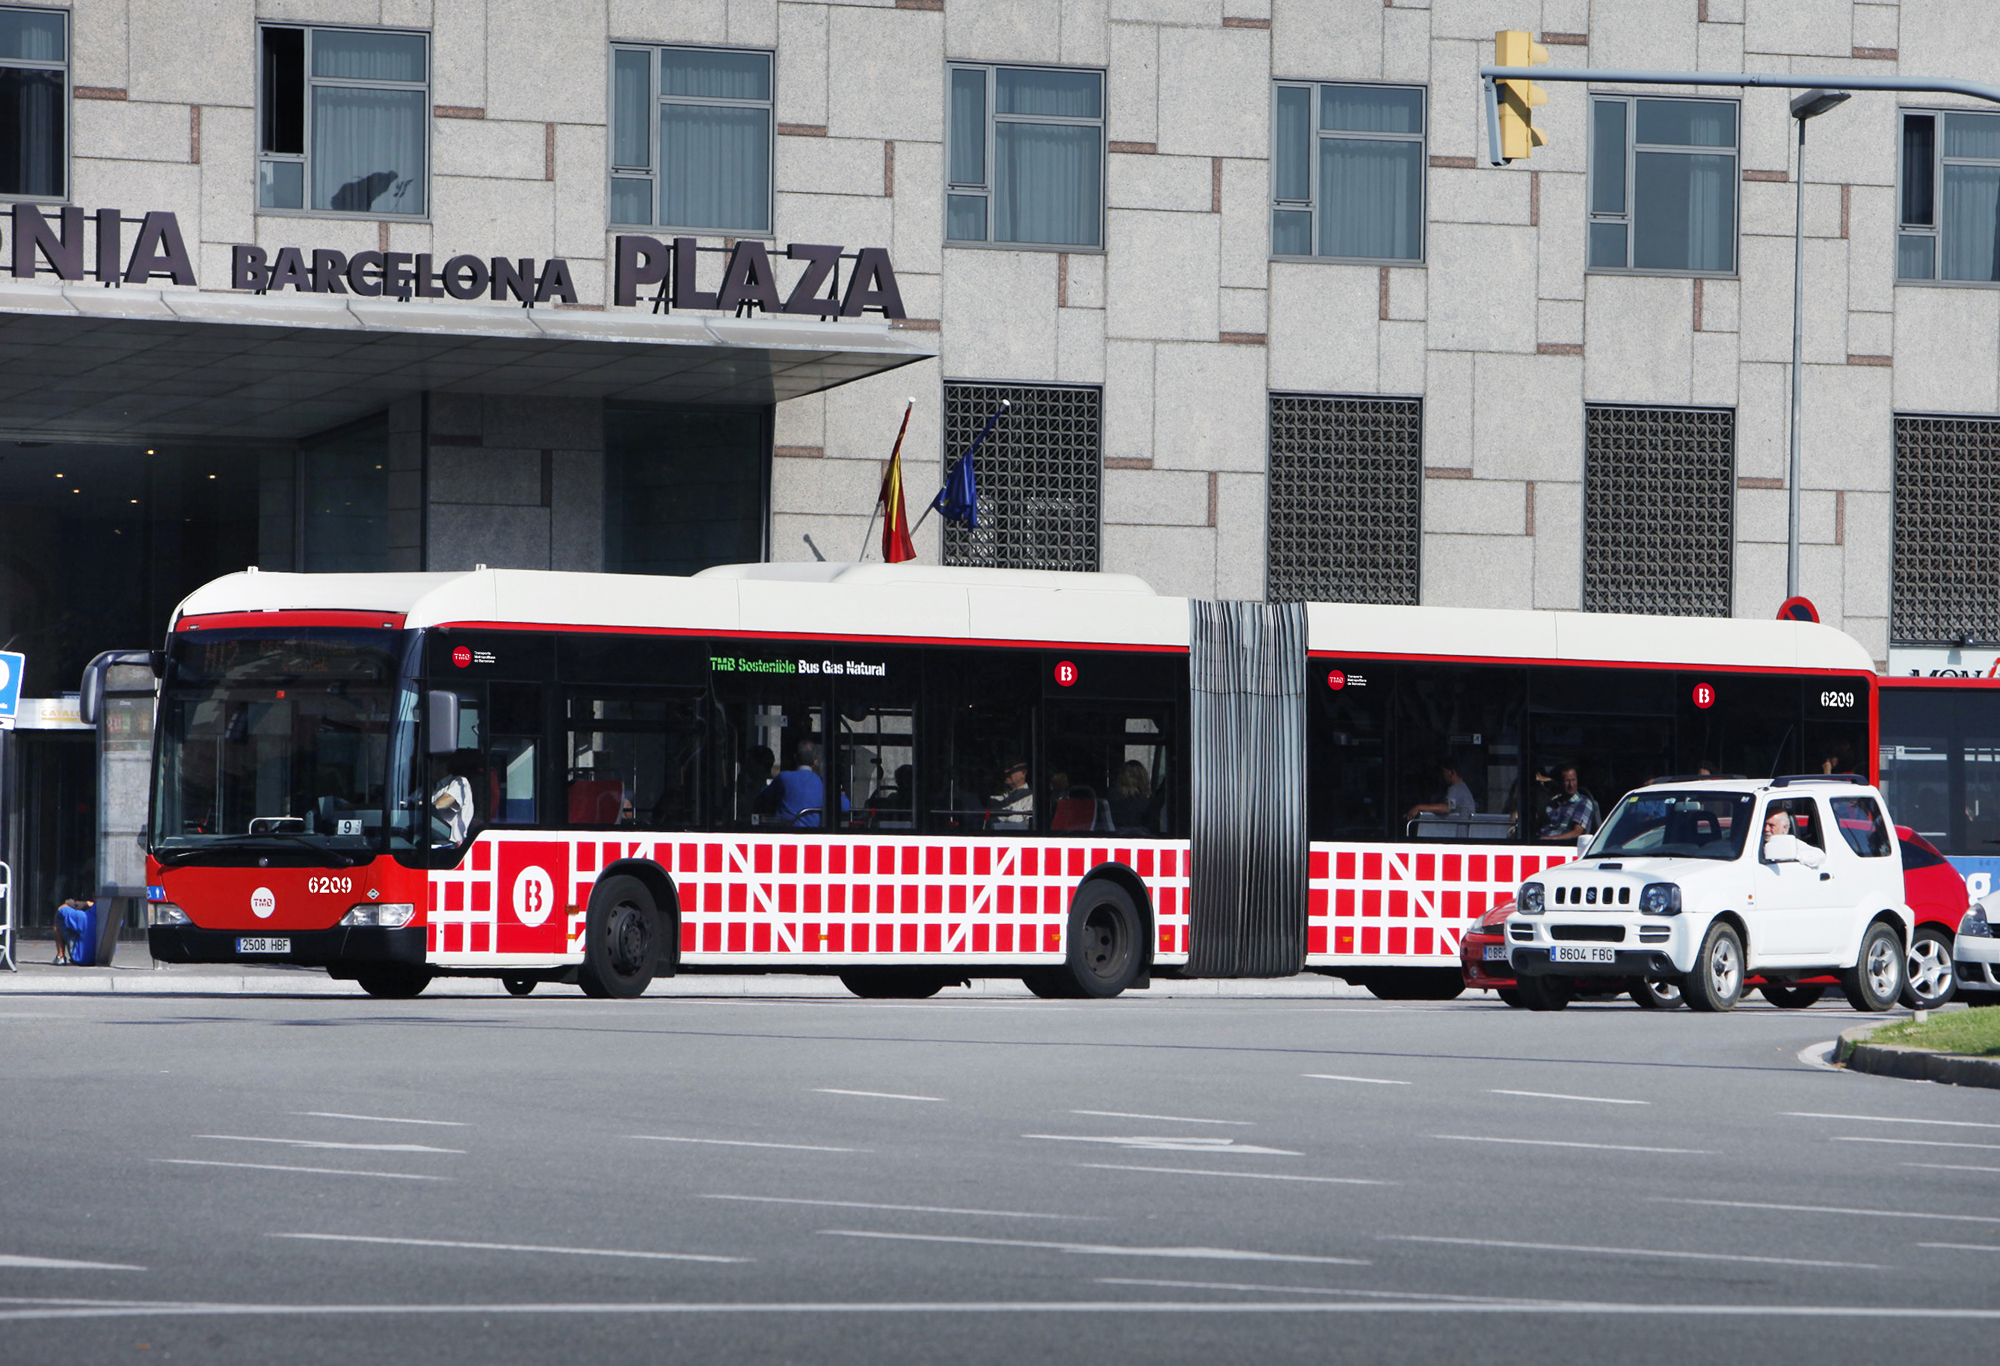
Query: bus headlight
x=1974, y=925
x=390, y=915
x=1529, y=902
x=1660, y=898
x=166, y=913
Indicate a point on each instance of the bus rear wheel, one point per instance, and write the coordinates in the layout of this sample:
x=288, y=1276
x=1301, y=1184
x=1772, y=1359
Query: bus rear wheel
x=897, y=984
x=518, y=986
x=1415, y=984
x=393, y=981
x=621, y=940
x=1106, y=946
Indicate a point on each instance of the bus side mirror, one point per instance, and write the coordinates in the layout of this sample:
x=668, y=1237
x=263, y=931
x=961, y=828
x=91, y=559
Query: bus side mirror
x=90, y=691
x=441, y=721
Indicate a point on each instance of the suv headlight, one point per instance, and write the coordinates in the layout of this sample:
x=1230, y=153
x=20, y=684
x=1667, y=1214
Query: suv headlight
x=1660, y=898
x=390, y=915
x=1529, y=902
x=166, y=913
x=1974, y=925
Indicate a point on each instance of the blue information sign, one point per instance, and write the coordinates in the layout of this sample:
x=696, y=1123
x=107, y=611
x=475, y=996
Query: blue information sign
x=11, y=665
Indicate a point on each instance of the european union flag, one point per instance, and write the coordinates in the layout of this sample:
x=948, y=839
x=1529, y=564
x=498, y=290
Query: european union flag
x=958, y=500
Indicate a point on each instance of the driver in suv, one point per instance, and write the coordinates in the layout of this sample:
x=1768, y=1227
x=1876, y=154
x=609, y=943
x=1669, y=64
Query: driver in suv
x=1672, y=888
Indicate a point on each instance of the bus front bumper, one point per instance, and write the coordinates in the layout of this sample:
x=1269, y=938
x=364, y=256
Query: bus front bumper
x=333, y=949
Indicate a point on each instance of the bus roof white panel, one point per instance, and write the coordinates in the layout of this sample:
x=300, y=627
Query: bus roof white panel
x=1452, y=632
x=250, y=591
x=832, y=609
x=636, y=601
x=1079, y=617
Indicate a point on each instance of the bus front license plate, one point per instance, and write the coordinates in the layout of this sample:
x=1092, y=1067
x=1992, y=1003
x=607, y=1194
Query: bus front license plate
x=1496, y=953
x=1582, y=953
x=263, y=946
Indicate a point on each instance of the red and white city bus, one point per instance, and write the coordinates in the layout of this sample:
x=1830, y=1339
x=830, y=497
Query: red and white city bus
x=910, y=775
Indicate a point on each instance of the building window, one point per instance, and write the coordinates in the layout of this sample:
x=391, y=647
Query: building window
x=1663, y=185
x=1347, y=172
x=344, y=122
x=1950, y=218
x=1945, y=580
x=684, y=488
x=1658, y=500
x=1026, y=160
x=34, y=103
x=1346, y=475
x=691, y=139
x=1039, y=476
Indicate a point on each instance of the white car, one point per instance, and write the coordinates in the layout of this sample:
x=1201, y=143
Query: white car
x=1976, y=953
x=1705, y=881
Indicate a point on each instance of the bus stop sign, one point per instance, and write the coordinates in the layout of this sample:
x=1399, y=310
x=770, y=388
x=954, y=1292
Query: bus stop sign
x=11, y=666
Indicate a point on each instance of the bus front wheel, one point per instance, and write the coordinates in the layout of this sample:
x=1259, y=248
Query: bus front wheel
x=393, y=981
x=1107, y=948
x=621, y=940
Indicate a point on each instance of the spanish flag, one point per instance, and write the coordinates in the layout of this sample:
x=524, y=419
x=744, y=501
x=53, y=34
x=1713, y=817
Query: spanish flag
x=896, y=546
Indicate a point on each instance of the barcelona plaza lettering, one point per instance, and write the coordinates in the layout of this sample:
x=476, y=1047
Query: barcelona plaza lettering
x=749, y=281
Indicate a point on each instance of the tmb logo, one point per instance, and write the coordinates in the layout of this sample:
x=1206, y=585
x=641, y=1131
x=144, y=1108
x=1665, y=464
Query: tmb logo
x=462, y=656
x=263, y=903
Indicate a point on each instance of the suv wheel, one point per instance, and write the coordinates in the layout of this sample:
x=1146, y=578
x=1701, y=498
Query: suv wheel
x=1876, y=980
x=1652, y=994
x=1929, y=981
x=1716, y=981
x=1544, y=993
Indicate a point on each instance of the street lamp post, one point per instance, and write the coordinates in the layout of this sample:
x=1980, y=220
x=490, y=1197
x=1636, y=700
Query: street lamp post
x=1806, y=105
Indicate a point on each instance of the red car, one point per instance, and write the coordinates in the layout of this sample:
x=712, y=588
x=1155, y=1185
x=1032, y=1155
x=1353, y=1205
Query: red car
x=1931, y=886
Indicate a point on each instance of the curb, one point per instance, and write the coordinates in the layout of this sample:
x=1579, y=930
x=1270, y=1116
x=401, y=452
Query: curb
x=1914, y=1064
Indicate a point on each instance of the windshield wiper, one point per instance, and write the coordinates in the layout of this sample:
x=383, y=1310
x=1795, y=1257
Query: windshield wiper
x=338, y=858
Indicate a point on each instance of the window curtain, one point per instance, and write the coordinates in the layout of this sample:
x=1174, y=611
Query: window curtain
x=352, y=55
x=968, y=127
x=706, y=75
x=1971, y=226
x=31, y=35
x=1684, y=211
x=368, y=150
x=1052, y=94
x=715, y=167
x=1047, y=183
x=31, y=132
x=632, y=94
x=1370, y=198
x=1291, y=167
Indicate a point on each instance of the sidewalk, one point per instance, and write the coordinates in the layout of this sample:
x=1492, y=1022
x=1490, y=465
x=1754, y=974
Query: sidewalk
x=133, y=973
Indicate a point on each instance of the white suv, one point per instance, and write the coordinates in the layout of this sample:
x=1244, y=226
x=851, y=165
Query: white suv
x=1704, y=881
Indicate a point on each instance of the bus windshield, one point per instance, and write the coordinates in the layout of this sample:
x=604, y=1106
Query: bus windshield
x=1676, y=825
x=298, y=744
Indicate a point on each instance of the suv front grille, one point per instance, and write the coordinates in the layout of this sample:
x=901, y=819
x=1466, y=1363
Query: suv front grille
x=1593, y=896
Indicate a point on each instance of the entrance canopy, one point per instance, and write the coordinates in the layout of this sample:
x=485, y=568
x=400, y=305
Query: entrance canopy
x=139, y=364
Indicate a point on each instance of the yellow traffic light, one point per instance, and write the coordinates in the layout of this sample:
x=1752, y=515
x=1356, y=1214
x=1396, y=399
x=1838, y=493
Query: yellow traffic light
x=1518, y=135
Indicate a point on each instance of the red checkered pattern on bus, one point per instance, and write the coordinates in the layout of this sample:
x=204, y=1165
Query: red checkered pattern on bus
x=1395, y=903
x=778, y=899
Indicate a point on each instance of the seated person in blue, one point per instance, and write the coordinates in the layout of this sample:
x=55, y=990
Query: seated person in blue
x=797, y=796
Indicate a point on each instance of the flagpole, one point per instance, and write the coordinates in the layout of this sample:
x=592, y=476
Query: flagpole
x=1005, y=404
x=870, y=532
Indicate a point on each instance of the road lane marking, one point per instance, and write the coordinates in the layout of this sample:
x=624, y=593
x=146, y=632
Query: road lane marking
x=1365, y=1081
x=909, y=1209
x=1919, y=1143
x=14, y=1261
x=1557, y=1095
x=1948, y=1167
x=1172, y=1145
x=1168, y=1119
x=873, y=1095
x=944, y=1309
x=1225, y=1254
x=1828, y=1209
x=1894, y=1119
x=1247, y=1176
x=746, y=1143
x=1964, y=1247
x=378, y=1119
x=510, y=1247
x=317, y=1171
x=1567, y=1143
x=348, y=1147
x=1627, y=1251
x=1421, y=1295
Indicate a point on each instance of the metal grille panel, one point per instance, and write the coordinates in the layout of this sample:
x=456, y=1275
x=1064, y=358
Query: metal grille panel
x=1346, y=475
x=1040, y=476
x=1659, y=494
x=1946, y=577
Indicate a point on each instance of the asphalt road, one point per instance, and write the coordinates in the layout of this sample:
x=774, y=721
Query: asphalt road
x=470, y=1178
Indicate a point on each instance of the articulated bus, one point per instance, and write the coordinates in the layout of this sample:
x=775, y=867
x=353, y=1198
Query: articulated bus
x=911, y=776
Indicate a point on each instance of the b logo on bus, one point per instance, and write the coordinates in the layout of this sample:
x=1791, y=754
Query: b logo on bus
x=1066, y=674
x=534, y=896
x=263, y=903
x=1704, y=696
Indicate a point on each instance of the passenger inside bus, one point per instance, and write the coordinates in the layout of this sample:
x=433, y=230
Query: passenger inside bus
x=1013, y=807
x=797, y=797
x=1456, y=799
x=1572, y=811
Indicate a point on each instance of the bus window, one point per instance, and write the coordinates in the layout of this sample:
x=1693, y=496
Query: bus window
x=770, y=730
x=1610, y=755
x=1980, y=754
x=1469, y=719
x=1110, y=769
x=875, y=736
x=983, y=780
x=632, y=759
x=1749, y=725
x=513, y=748
x=1347, y=747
